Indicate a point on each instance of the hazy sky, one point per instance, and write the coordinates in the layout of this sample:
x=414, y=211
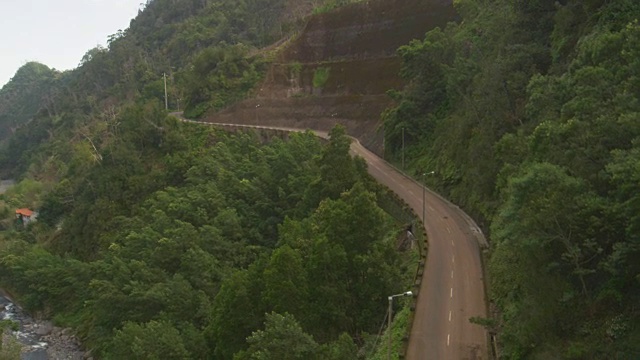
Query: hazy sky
x=57, y=33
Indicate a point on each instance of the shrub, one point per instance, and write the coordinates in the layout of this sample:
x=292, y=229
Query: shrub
x=320, y=77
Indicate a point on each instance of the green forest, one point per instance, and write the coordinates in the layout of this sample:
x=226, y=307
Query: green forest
x=198, y=244
x=159, y=239
x=529, y=113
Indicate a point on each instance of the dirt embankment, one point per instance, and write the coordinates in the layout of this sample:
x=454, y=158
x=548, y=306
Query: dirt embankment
x=356, y=46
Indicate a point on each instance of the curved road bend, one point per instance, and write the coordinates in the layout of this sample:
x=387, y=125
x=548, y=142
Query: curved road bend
x=452, y=289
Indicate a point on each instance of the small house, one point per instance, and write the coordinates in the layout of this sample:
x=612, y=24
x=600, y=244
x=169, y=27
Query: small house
x=25, y=215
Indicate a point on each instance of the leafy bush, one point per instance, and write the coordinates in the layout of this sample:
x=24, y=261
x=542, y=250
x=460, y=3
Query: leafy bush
x=320, y=77
x=329, y=5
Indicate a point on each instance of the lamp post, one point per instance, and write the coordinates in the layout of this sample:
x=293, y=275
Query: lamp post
x=408, y=293
x=424, y=196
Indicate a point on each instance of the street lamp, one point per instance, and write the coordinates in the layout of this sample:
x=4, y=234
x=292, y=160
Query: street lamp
x=424, y=223
x=408, y=293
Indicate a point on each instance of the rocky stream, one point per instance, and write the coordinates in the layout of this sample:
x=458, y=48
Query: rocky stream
x=40, y=340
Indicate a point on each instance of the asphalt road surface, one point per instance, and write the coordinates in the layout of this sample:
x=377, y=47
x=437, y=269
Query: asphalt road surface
x=452, y=289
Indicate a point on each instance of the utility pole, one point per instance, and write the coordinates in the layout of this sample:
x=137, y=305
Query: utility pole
x=382, y=147
x=403, y=148
x=424, y=220
x=383, y=141
x=166, y=101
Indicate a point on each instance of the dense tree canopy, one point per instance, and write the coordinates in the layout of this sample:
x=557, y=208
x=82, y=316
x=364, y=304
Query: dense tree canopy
x=528, y=113
x=169, y=246
x=159, y=239
x=31, y=89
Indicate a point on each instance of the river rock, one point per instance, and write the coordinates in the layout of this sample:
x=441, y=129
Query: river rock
x=40, y=339
x=44, y=328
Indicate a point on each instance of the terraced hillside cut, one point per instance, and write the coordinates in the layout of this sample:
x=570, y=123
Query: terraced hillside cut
x=356, y=47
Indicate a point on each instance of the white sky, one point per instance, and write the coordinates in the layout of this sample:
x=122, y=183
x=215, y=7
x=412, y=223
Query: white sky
x=57, y=33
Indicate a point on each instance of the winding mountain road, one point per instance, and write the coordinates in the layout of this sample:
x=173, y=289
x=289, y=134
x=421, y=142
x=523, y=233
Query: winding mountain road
x=452, y=289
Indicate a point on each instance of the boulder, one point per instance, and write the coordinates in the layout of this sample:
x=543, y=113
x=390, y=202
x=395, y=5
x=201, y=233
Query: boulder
x=44, y=328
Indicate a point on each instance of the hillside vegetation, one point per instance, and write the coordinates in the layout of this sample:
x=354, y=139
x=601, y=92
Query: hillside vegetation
x=528, y=111
x=188, y=243
x=30, y=90
x=157, y=239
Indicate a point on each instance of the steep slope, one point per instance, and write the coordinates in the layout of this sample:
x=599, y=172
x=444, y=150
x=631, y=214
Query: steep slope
x=528, y=112
x=167, y=36
x=339, y=69
x=29, y=90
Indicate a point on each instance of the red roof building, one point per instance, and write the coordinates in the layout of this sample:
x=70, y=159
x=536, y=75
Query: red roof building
x=24, y=212
x=25, y=216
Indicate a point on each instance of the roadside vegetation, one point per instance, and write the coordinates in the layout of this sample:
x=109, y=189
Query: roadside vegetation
x=330, y=5
x=528, y=114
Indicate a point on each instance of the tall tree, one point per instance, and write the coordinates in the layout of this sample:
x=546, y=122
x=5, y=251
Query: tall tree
x=282, y=338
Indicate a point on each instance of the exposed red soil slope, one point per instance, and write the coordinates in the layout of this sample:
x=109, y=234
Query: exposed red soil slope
x=357, y=43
